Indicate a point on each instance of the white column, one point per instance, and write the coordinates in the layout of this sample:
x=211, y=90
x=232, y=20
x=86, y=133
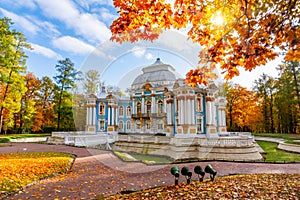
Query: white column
x=165, y=106
x=108, y=116
x=220, y=113
x=113, y=116
x=186, y=115
x=117, y=114
x=153, y=104
x=189, y=111
x=213, y=116
x=87, y=116
x=182, y=111
x=169, y=113
x=143, y=102
x=179, y=112
x=91, y=115
x=193, y=110
x=223, y=118
x=208, y=112
x=133, y=107
x=94, y=111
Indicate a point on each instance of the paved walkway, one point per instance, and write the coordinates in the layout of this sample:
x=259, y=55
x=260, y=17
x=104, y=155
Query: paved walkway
x=100, y=172
x=281, y=144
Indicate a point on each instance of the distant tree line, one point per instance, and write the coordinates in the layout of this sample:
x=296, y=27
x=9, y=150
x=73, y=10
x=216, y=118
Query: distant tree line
x=272, y=106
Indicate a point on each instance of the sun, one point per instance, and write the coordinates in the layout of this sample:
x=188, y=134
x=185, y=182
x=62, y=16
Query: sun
x=217, y=19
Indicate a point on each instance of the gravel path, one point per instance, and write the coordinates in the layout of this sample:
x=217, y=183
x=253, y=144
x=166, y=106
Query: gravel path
x=100, y=172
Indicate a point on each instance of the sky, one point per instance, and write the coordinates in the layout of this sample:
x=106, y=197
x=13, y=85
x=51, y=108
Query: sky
x=79, y=30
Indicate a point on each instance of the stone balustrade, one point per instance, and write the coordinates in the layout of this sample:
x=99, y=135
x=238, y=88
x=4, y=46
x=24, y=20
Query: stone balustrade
x=89, y=140
x=234, y=141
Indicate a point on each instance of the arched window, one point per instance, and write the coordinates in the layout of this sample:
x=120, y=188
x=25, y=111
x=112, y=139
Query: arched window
x=101, y=125
x=128, y=110
x=128, y=125
x=148, y=104
x=121, y=110
x=160, y=106
x=200, y=125
x=199, y=103
x=121, y=125
x=102, y=108
x=139, y=107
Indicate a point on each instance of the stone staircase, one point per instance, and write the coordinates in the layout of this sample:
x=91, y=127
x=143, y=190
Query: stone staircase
x=55, y=140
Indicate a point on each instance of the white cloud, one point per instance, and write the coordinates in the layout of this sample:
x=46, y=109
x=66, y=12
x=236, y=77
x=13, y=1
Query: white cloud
x=84, y=24
x=106, y=15
x=45, y=51
x=149, y=56
x=87, y=4
x=17, y=3
x=138, y=51
x=48, y=28
x=73, y=45
x=26, y=24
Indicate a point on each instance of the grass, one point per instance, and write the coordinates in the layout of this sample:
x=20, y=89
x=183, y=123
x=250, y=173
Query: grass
x=278, y=135
x=7, y=138
x=151, y=159
x=288, y=138
x=276, y=155
x=21, y=169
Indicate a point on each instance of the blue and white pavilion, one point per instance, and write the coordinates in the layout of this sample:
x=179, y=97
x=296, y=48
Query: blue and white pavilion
x=158, y=103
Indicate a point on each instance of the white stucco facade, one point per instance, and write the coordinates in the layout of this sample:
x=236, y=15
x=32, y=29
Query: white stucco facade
x=159, y=103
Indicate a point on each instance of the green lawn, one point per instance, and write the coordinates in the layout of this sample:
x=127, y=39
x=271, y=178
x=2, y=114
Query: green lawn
x=277, y=155
x=151, y=159
x=7, y=138
x=288, y=138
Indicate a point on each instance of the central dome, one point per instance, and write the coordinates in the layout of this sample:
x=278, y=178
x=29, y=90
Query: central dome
x=157, y=74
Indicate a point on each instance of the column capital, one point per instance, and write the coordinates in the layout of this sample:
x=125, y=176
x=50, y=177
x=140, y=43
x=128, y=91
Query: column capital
x=169, y=101
x=209, y=98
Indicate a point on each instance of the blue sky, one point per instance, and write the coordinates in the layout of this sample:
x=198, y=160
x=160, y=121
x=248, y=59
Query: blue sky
x=79, y=30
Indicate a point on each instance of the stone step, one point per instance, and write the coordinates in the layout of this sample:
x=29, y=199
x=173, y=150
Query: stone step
x=55, y=140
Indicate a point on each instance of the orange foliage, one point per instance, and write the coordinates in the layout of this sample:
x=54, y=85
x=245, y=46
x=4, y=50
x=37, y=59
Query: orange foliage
x=244, y=106
x=18, y=170
x=251, y=186
x=246, y=38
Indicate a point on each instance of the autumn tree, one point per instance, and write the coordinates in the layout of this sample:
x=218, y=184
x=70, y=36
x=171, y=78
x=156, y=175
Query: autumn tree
x=12, y=66
x=265, y=89
x=44, y=119
x=243, y=111
x=65, y=80
x=233, y=33
x=287, y=98
x=25, y=117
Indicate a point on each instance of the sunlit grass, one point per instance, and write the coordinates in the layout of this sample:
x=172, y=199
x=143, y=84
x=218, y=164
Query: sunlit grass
x=276, y=155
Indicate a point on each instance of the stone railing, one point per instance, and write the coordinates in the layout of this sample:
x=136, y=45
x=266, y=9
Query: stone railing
x=144, y=139
x=63, y=134
x=89, y=140
x=234, y=141
x=235, y=134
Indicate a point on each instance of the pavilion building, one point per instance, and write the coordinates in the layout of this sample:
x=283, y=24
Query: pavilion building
x=159, y=103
